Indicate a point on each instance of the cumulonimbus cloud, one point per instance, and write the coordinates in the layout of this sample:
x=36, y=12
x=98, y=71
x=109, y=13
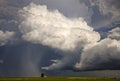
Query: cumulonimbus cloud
x=73, y=37
x=53, y=29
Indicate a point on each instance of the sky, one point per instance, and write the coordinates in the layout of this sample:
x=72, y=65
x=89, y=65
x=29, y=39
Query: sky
x=60, y=38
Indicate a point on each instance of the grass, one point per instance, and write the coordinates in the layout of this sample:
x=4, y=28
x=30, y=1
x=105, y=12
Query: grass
x=60, y=79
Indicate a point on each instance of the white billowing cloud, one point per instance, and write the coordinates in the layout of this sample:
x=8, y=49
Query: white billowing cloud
x=76, y=40
x=102, y=55
x=5, y=37
x=53, y=29
x=114, y=33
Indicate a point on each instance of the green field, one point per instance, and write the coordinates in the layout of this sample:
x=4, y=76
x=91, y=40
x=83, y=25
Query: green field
x=60, y=79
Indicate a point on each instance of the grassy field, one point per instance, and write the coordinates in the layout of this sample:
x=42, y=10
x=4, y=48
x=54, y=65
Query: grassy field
x=60, y=79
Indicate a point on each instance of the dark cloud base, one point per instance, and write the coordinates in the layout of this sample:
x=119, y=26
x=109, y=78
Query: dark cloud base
x=17, y=57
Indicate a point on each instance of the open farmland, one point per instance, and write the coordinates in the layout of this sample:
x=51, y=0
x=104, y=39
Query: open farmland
x=60, y=79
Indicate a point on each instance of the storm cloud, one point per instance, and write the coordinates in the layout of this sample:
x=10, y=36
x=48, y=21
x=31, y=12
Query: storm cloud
x=51, y=28
x=58, y=35
x=72, y=36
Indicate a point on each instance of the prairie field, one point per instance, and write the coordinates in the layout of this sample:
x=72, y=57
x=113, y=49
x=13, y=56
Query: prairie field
x=59, y=79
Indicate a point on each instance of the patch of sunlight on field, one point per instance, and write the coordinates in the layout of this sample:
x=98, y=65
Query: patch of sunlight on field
x=60, y=79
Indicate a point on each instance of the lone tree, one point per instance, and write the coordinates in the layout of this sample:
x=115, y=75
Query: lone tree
x=42, y=75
